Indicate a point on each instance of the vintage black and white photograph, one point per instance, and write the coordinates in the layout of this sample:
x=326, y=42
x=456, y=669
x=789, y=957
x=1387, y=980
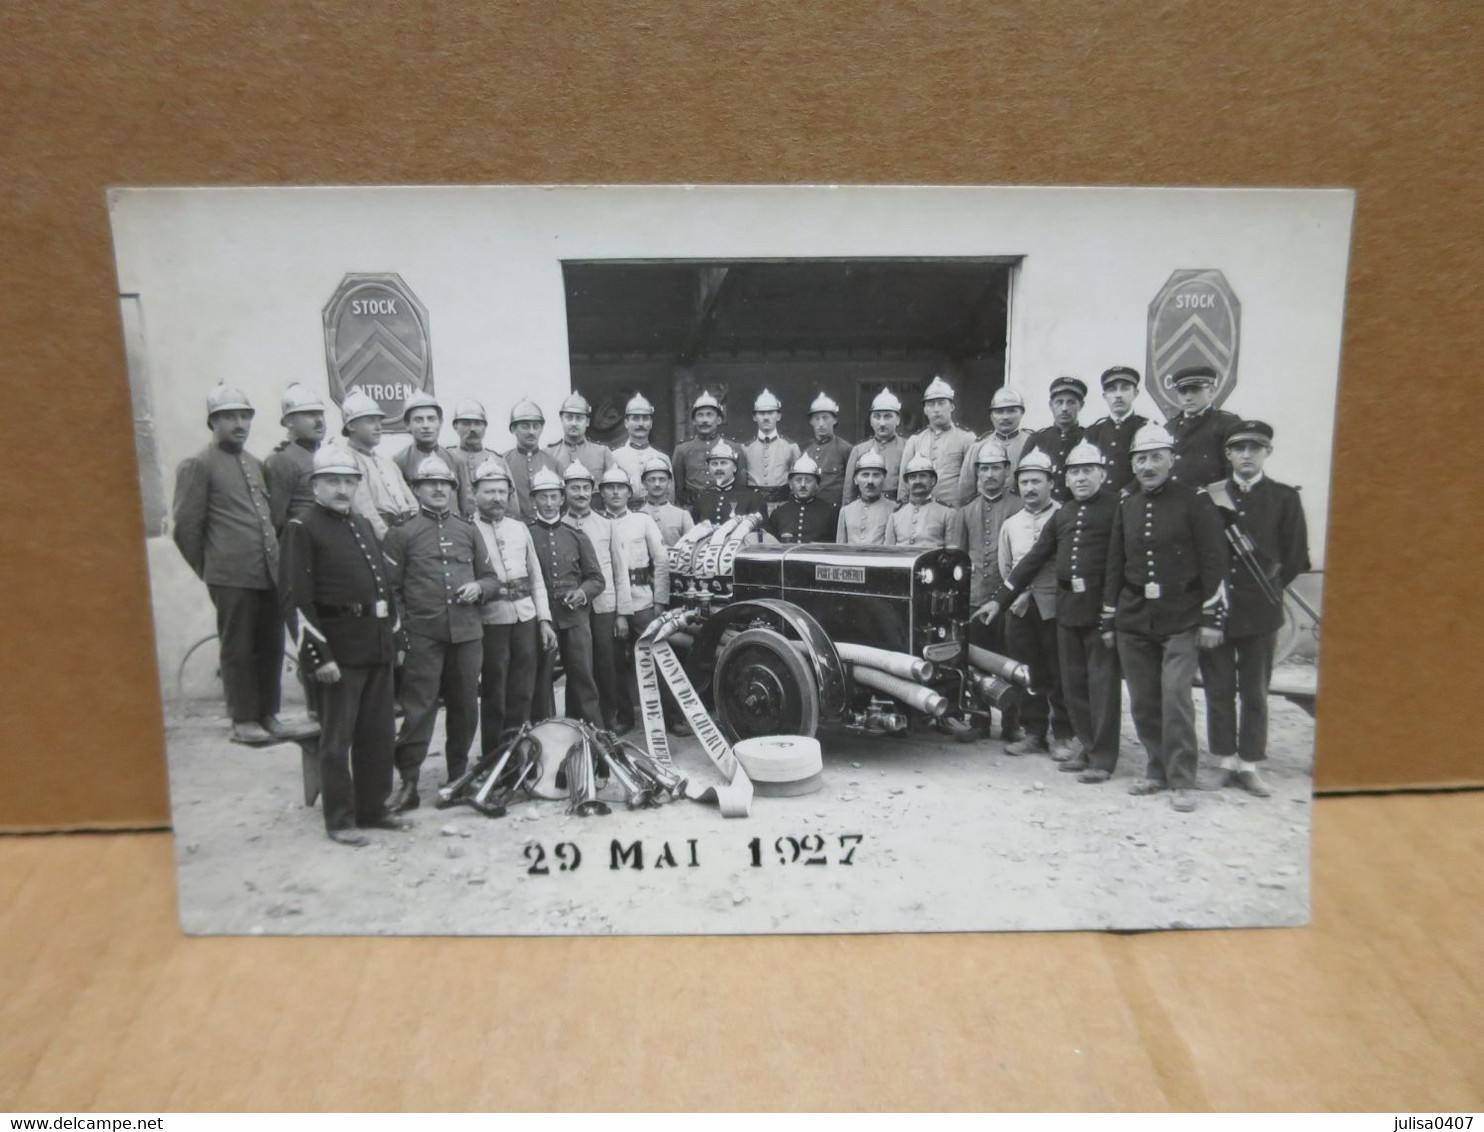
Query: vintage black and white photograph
x=675, y=559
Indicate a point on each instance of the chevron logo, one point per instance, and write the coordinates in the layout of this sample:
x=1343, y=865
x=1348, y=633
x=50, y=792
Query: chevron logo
x=1194, y=320
x=376, y=340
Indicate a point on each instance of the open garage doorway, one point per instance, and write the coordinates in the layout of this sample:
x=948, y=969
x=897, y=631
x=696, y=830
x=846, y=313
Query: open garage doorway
x=800, y=327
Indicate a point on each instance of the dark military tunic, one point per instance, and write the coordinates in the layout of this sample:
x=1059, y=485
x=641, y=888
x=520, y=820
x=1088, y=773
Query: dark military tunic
x=467, y=463
x=1169, y=538
x=1272, y=515
x=890, y=452
x=429, y=558
x=224, y=519
x=595, y=457
x=410, y=457
x=1113, y=439
x=693, y=474
x=716, y=506
x=1200, y=445
x=522, y=466
x=287, y=470
x=1058, y=445
x=814, y=521
x=831, y=456
x=569, y=564
x=1076, y=539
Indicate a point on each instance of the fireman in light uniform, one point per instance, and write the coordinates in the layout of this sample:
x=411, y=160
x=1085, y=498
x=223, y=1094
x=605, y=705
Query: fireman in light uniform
x=886, y=418
x=574, y=447
x=613, y=607
x=648, y=579
x=769, y=456
x=829, y=452
x=805, y=517
x=657, y=480
x=527, y=457
x=471, y=423
x=943, y=443
x=383, y=495
x=636, y=451
x=922, y=520
x=1006, y=410
x=863, y=520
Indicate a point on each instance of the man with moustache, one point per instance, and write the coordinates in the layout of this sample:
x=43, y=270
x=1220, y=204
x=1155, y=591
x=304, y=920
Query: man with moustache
x=439, y=572
x=527, y=457
x=1075, y=544
x=922, y=521
x=886, y=418
x=636, y=451
x=692, y=461
x=382, y=496
x=337, y=603
x=1164, y=601
x=611, y=609
x=574, y=447
x=980, y=521
x=1006, y=410
x=573, y=579
x=672, y=521
x=829, y=452
x=768, y=456
x=805, y=517
x=1068, y=395
x=289, y=466
x=471, y=423
x=224, y=528
x=1199, y=429
x=727, y=497
x=1114, y=434
x=517, y=620
x=944, y=444
x=1239, y=669
x=423, y=417
x=863, y=520
x=648, y=580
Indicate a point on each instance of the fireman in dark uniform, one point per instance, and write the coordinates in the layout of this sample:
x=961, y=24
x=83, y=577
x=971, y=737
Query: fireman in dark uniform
x=573, y=578
x=1068, y=395
x=691, y=465
x=338, y=606
x=828, y=451
x=439, y=572
x=1271, y=515
x=289, y=466
x=1164, y=600
x=1077, y=538
x=727, y=497
x=1114, y=434
x=805, y=517
x=1199, y=429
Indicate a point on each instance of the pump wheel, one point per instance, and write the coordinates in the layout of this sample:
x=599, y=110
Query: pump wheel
x=763, y=686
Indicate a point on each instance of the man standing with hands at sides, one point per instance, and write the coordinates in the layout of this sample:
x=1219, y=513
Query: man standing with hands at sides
x=517, y=621
x=612, y=608
x=338, y=606
x=224, y=529
x=670, y=519
x=636, y=451
x=648, y=580
x=439, y=572
x=768, y=457
x=922, y=520
x=289, y=466
x=863, y=520
x=980, y=521
x=943, y=443
x=424, y=419
x=827, y=450
x=383, y=496
x=692, y=463
x=1272, y=517
x=805, y=517
x=1199, y=429
x=471, y=423
x=574, y=447
x=1030, y=634
x=1164, y=600
x=527, y=457
x=1006, y=410
x=886, y=417
x=1068, y=395
x=1075, y=543
x=1114, y=434
x=727, y=497
x=570, y=572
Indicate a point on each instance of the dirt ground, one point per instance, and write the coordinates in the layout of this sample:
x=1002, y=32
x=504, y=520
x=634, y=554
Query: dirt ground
x=951, y=837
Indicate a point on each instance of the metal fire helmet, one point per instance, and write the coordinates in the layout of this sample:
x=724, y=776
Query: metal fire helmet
x=721, y=450
x=433, y=468
x=805, y=466
x=938, y=390
x=422, y=399
x=526, y=410
x=1085, y=452
x=655, y=463
x=358, y=404
x=300, y=399
x=576, y=471
x=1036, y=461
x=991, y=451
x=767, y=403
x=824, y=403
x=706, y=401
x=1150, y=438
x=886, y=402
x=638, y=406
x=491, y=470
x=870, y=460
x=333, y=460
x=224, y=398
x=470, y=410
x=1007, y=398
x=615, y=474
x=919, y=464
x=545, y=480
x=576, y=403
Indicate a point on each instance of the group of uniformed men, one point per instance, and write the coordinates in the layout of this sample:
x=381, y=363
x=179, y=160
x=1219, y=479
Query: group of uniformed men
x=456, y=575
